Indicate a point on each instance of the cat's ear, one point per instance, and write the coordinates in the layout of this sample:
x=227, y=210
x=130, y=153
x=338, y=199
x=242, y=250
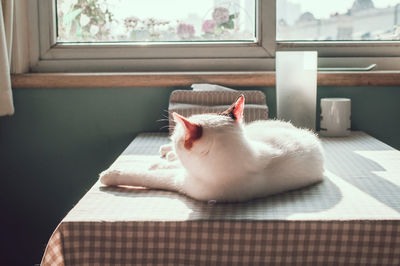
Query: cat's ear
x=192, y=130
x=236, y=109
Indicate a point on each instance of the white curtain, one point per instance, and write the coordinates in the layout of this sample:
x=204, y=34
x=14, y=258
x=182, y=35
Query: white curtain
x=6, y=36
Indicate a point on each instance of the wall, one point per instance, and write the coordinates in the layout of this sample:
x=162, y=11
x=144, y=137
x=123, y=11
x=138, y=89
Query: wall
x=53, y=148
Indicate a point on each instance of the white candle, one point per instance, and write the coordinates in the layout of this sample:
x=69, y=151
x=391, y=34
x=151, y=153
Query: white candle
x=296, y=87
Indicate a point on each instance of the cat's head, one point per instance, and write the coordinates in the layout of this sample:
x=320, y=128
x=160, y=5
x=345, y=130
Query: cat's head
x=196, y=135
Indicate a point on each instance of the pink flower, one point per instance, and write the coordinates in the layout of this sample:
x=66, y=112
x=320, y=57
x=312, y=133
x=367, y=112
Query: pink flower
x=185, y=30
x=220, y=15
x=131, y=22
x=209, y=26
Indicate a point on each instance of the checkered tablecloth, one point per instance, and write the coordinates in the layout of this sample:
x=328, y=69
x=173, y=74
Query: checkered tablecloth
x=352, y=218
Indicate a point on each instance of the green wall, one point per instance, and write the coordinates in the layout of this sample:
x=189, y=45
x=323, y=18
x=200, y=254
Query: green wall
x=53, y=148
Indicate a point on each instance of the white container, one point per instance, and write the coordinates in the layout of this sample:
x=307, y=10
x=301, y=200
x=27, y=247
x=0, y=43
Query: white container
x=296, y=87
x=335, y=117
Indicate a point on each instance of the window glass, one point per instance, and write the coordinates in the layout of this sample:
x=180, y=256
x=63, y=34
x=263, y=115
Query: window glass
x=340, y=20
x=156, y=20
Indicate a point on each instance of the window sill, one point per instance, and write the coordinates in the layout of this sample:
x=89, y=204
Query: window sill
x=185, y=79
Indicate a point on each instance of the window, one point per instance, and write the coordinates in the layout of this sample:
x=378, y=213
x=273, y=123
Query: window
x=346, y=33
x=210, y=35
x=361, y=20
x=156, y=21
x=99, y=35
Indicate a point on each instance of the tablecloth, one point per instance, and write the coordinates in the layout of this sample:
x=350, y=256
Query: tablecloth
x=352, y=218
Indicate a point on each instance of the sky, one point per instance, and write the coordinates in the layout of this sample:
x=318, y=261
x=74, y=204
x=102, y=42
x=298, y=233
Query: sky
x=163, y=9
x=178, y=9
x=323, y=9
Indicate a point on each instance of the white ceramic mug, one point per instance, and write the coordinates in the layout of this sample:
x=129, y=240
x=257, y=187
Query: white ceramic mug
x=335, y=117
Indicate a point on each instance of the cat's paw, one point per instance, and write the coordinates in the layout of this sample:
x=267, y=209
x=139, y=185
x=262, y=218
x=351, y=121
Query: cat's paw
x=165, y=149
x=171, y=156
x=109, y=177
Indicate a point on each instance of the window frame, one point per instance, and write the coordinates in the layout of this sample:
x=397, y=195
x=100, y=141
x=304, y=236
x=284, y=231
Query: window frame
x=48, y=56
x=349, y=54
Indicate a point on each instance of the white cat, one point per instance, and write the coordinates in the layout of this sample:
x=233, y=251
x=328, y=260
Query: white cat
x=218, y=157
